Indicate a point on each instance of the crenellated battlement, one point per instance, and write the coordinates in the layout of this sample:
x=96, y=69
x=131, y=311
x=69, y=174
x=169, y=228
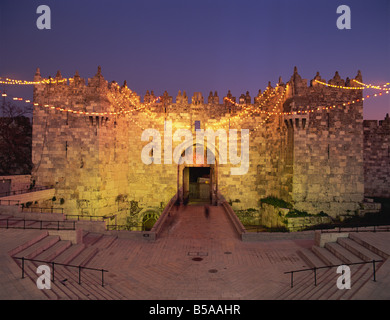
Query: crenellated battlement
x=299, y=95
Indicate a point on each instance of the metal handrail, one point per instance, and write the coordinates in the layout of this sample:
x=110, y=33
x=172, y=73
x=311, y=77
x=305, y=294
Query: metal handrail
x=264, y=229
x=90, y=218
x=15, y=202
x=363, y=228
x=332, y=228
x=42, y=210
x=41, y=226
x=331, y=266
x=61, y=264
x=118, y=227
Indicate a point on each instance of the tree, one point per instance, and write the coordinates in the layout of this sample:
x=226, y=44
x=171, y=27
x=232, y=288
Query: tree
x=15, y=140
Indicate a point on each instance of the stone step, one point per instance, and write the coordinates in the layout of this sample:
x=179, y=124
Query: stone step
x=68, y=278
x=54, y=251
x=105, y=242
x=27, y=244
x=91, y=238
x=328, y=257
x=66, y=285
x=325, y=280
x=70, y=253
x=91, y=279
x=367, y=241
x=38, y=247
x=343, y=254
x=84, y=256
x=358, y=250
x=30, y=274
x=360, y=274
x=310, y=258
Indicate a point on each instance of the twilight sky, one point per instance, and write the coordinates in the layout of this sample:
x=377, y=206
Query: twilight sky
x=202, y=45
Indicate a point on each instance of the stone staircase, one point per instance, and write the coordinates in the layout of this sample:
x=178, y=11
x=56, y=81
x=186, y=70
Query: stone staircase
x=50, y=248
x=346, y=250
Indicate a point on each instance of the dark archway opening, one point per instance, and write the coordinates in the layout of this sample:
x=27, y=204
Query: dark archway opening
x=199, y=184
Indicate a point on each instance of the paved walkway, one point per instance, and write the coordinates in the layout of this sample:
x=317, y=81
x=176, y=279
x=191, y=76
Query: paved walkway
x=196, y=257
x=228, y=268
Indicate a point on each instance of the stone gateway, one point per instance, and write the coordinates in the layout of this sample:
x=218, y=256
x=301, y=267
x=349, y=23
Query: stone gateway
x=307, y=146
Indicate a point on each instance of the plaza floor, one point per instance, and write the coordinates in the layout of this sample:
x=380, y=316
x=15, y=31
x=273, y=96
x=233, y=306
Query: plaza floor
x=197, y=256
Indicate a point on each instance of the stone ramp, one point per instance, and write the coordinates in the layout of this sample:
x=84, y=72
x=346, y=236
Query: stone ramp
x=357, y=248
x=191, y=222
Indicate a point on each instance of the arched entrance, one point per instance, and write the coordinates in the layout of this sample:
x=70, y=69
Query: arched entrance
x=148, y=220
x=198, y=182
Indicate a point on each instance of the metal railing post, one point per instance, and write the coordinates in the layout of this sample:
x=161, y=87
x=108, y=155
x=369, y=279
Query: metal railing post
x=22, y=267
x=315, y=276
x=292, y=281
x=373, y=265
x=102, y=277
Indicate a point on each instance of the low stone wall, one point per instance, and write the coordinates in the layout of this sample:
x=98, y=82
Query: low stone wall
x=274, y=236
x=321, y=238
x=299, y=223
x=271, y=216
x=240, y=229
x=137, y=235
x=75, y=236
x=9, y=210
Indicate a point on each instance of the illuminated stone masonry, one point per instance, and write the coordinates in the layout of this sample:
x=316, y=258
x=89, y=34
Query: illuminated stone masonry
x=306, y=146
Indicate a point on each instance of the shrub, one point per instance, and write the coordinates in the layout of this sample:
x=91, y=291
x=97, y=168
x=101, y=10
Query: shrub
x=276, y=202
x=295, y=213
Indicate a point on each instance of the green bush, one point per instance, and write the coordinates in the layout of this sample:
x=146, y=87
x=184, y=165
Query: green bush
x=295, y=213
x=276, y=202
x=323, y=214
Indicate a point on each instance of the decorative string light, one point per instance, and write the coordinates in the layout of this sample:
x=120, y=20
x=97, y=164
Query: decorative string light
x=242, y=115
x=25, y=82
x=65, y=109
x=369, y=86
x=247, y=108
x=339, y=87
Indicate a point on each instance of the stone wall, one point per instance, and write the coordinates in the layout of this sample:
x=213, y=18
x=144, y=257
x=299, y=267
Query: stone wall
x=327, y=159
x=377, y=158
x=312, y=159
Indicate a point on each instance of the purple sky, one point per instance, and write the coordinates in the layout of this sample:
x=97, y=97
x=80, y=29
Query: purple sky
x=202, y=45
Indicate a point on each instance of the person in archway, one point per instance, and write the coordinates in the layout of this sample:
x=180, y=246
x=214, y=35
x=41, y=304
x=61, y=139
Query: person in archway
x=206, y=210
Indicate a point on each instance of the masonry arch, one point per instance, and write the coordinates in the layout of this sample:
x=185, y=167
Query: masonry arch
x=198, y=181
x=148, y=217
